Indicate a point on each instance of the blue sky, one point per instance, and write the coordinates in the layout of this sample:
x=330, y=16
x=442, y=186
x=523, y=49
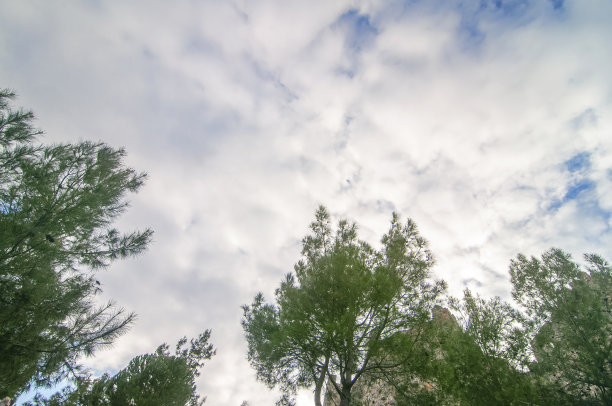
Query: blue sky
x=487, y=122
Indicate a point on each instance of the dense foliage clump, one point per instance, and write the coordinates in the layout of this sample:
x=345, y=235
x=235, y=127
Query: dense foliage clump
x=160, y=378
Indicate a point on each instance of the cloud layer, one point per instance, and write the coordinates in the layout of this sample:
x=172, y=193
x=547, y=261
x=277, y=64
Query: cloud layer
x=487, y=122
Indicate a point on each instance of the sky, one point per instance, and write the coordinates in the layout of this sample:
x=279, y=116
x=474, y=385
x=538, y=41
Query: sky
x=487, y=122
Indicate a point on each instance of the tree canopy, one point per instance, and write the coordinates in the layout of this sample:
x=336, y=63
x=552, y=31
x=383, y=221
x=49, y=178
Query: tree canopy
x=333, y=316
x=554, y=348
x=57, y=208
x=568, y=317
x=364, y=322
x=160, y=378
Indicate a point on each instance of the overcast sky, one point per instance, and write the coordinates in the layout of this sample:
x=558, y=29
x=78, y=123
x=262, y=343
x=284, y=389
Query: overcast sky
x=488, y=122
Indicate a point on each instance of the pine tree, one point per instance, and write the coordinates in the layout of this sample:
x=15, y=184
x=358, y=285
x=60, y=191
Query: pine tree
x=568, y=313
x=57, y=207
x=333, y=317
x=160, y=378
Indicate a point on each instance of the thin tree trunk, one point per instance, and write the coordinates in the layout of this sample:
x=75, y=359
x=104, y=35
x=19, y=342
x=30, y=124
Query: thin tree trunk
x=317, y=394
x=319, y=383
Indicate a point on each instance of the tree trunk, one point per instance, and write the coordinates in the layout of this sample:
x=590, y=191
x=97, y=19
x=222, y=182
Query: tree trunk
x=345, y=397
x=317, y=395
x=346, y=380
x=320, y=381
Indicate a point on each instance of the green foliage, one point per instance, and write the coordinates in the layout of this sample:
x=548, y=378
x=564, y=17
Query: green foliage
x=57, y=206
x=484, y=360
x=569, y=319
x=151, y=379
x=333, y=315
x=494, y=326
x=555, y=349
